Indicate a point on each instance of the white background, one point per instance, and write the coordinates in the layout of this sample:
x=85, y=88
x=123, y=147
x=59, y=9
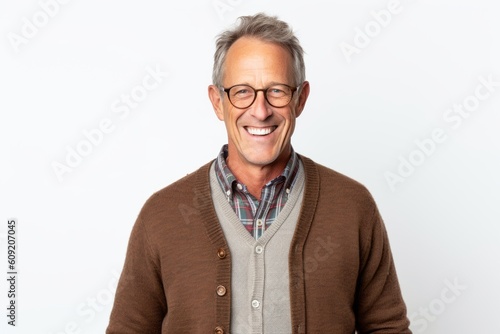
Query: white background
x=362, y=117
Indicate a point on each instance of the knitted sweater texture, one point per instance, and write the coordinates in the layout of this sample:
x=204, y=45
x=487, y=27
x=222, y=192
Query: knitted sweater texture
x=177, y=272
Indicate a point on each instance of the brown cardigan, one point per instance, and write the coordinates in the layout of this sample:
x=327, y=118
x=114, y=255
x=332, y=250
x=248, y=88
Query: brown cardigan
x=342, y=275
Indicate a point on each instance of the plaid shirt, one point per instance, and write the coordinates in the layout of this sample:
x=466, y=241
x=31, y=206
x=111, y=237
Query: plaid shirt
x=256, y=215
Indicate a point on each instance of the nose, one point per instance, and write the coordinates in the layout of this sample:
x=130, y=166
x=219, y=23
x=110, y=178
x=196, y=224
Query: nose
x=260, y=109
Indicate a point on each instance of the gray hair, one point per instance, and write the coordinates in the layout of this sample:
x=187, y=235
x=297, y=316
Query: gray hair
x=263, y=27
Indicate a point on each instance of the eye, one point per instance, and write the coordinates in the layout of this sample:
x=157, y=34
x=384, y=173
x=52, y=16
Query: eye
x=241, y=92
x=277, y=91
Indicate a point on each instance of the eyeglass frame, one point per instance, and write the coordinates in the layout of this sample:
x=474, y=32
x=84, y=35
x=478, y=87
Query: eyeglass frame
x=263, y=90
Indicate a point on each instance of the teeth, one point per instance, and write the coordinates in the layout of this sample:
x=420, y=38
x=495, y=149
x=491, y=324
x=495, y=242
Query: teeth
x=260, y=131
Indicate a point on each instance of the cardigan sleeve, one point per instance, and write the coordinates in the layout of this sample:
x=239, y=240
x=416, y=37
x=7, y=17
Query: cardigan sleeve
x=140, y=304
x=379, y=303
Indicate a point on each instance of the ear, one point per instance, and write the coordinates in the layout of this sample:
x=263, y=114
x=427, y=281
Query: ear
x=304, y=93
x=214, y=95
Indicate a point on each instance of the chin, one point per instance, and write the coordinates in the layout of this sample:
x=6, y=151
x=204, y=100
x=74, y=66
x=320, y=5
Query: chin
x=262, y=159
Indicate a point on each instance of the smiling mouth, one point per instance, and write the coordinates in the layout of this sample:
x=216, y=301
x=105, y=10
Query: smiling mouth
x=260, y=131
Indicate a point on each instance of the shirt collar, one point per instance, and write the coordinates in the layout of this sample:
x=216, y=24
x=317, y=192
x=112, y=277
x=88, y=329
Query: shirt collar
x=227, y=179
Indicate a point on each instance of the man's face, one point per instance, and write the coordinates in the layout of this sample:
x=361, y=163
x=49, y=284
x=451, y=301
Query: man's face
x=260, y=134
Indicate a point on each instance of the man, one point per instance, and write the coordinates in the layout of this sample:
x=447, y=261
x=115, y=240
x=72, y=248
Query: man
x=260, y=240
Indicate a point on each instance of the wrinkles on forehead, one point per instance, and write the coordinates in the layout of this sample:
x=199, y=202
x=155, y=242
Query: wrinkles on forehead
x=257, y=63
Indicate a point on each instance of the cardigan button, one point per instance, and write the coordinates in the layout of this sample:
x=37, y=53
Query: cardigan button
x=221, y=290
x=221, y=253
x=219, y=330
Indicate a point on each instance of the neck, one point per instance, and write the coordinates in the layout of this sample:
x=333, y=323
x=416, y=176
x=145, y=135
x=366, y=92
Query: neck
x=255, y=177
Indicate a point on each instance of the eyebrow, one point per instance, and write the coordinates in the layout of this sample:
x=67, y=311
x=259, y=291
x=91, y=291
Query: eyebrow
x=272, y=83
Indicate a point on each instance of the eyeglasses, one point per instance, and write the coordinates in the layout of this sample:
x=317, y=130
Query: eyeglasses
x=243, y=96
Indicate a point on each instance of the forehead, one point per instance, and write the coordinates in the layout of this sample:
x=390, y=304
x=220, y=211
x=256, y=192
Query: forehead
x=252, y=59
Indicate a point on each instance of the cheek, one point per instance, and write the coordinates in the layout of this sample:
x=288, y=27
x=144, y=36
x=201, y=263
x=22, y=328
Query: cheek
x=288, y=118
x=231, y=118
x=290, y=127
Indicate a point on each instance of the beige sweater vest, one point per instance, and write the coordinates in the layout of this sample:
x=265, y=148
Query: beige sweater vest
x=260, y=277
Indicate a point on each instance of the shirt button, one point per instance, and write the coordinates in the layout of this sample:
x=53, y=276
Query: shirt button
x=221, y=290
x=218, y=330
x=255, y=303
x=259, y=249
x=239, y=186
x=228, y=193
x=221, y=253
x=259, y=222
